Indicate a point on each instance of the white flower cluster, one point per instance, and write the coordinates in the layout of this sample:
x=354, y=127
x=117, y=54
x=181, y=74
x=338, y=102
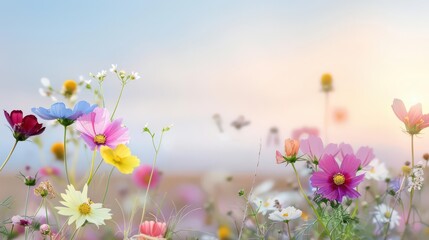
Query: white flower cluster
x=416, y=179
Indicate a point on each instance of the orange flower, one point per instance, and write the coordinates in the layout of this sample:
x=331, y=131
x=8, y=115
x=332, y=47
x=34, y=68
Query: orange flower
x=291, y=147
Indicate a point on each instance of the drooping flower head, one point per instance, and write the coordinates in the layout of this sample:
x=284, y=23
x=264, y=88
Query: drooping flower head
x=64, y=115
x=414, y=120
x=153, y=229
x=97, y=130
x=120, y=157
x=286, y=214
x=313, y=148
x=79, y=208
x=291, y=150
x=142, y=174
x=23, y=127
x=334, y=181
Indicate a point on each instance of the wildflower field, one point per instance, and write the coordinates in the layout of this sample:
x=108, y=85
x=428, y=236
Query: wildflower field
x=222, y=120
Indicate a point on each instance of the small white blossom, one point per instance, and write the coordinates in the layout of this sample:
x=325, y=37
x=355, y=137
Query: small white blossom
x=383, y=214
x=286, y=214
x=416, y=179
x=45, y=82
x=86, y=81
x=101, y=75
x=134, y=76
x=114, y=68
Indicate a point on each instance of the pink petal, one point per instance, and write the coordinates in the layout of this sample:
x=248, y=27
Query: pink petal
x=353, y=182
x=365, y=155
x=345, y=149
x=329, y=165
x=279, y=158
x=399, y=109
x=350, y=165
x=415, y=114
x=320, y=179
x=331, y=149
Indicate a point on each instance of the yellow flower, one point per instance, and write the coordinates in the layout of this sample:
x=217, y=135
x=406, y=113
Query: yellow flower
x=58, y=150
x=120, y=157
x=224, y=233
x=326, y=82
x=69, y=87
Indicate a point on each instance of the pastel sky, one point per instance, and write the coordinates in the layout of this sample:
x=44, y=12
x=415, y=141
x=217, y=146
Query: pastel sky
x=260, y=59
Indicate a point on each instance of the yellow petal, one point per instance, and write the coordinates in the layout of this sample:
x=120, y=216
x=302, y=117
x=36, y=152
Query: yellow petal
x=128, y=164
x=122, y=151
x=107, y=154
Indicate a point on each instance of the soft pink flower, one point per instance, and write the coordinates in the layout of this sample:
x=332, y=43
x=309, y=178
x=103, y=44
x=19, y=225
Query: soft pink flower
x=153, y=229
x=304, y=131
x=142, y=174
x=279, y=158
x=313, y=147
x=22, y=221
x=291, y=147
x=49, y=171
x=364, y=154
x=97, y=130
x=333, y=181
x=414, y=120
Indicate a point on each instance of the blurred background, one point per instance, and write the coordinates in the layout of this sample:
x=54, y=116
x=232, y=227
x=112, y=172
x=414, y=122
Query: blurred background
x=203, y=64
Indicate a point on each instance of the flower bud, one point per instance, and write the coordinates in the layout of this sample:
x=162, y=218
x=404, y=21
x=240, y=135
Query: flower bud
x=406, y=169
x=291, y=147
x=426, y=156
x=45, y=229
x=326, y=82
x=29, y=181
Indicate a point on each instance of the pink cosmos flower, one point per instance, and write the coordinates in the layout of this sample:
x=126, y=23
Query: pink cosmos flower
x=335, y=182
x=313, y=147
x=142, y=174
x=153, y=229
x=304, y=131
x=22, y=221
x=364, y=154
x=97, y=130
x=49, y=171
x=414, y=120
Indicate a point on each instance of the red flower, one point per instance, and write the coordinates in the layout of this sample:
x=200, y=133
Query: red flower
x=23, y=127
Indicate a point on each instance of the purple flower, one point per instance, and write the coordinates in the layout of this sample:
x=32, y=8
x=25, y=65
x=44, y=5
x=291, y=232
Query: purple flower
x=335, y=182
x=364, y=154
x=313, y=147
x=21, y=221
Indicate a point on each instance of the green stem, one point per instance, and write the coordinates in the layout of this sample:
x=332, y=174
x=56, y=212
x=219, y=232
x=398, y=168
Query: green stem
x=8, y=156
x=309, y=202
x=412, y=190
x=107, y=185
x=326, y=115
x=102, y=93
x=46, y=210
x=74, y=233
x=92, y=167
x=288, y=230
x=98, y=166
x=117, y=102
x=65, y=154
x=25, y=211
x=151, y=174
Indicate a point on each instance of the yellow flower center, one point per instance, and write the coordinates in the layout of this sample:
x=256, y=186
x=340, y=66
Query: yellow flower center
x=223, y=233
x=266, y=204
x=84, y=209
x=339, y=179
x=70, y=86
x=100, y=139
x=58, y=150
x=387, y=214
x=372, y=170
x=285, y=215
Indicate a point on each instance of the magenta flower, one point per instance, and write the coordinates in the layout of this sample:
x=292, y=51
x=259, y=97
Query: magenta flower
x=364, y=154
x=22, y=126
x=142, y=174
x=313, y=147
x=335, y=182
x=97, y=130
x=414, y=120
x=153, y=229
x=22, y=221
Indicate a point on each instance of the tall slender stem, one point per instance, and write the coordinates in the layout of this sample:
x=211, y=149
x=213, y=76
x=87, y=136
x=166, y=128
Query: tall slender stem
x=92, y=167
x=46, y=210
x=8, y=156
x=102, y=93
x=326, y=115
x=117, y=102
x=151, y=173
x=309, y=202
x=107, y=185
x=65, y=154
x=288, y=230
x=412, y=189
x=25, y=211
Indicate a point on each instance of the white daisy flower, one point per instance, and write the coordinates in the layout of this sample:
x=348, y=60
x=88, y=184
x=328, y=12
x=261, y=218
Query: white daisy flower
x=416, y=178
x=79, y=208
x=286, y=214
x=383, y=214
x=376, y=170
